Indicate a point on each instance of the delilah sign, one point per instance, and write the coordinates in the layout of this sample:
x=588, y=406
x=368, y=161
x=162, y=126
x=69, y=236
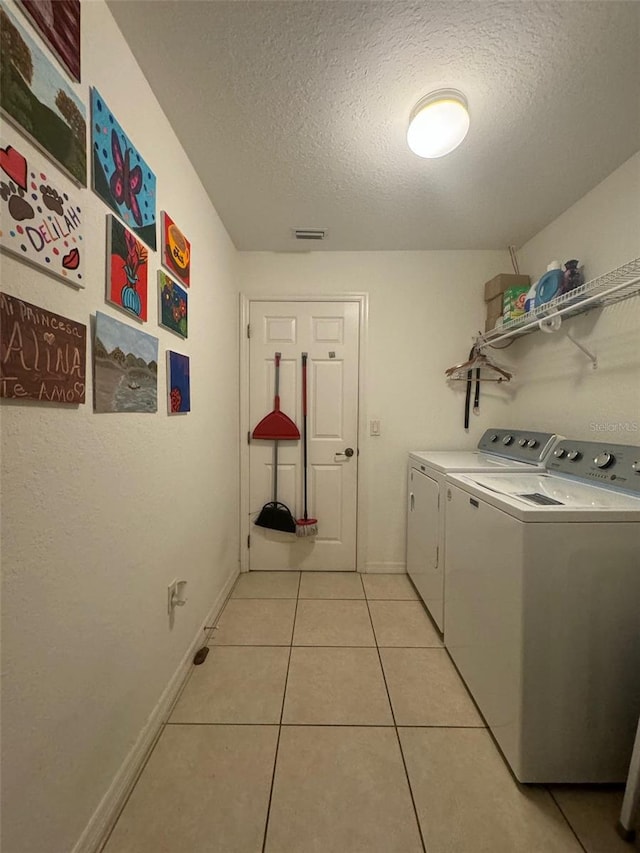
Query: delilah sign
x=43, y=356
x=40, y=217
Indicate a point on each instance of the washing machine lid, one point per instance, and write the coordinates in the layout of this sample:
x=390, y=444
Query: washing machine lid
x=548, y=497
x=446, y=461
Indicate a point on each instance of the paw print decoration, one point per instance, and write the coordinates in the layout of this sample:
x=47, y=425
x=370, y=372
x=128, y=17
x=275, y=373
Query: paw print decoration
x=41, y=219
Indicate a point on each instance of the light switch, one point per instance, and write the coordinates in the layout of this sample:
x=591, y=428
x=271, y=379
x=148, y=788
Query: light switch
x=374, y=428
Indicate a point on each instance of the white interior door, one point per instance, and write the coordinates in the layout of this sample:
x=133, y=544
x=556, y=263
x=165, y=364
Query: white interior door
x=329, y=333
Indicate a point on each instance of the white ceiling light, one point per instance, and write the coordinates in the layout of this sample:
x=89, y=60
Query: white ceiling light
x=438, y=124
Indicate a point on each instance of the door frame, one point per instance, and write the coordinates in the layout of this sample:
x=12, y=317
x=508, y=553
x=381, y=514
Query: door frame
x=362, y=299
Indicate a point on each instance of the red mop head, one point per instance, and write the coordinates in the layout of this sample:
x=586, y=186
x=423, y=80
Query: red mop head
x=306, y=526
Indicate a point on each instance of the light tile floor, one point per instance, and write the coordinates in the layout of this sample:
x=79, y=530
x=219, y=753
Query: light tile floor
x=328, y=718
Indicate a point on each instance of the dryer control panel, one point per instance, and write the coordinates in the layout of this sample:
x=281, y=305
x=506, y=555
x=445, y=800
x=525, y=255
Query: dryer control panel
x=518, y=444
x=615, y=465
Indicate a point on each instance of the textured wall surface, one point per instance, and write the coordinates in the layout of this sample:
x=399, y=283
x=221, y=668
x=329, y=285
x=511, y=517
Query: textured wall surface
x=306, y=108
x=101, y=512
x=423, y=310
x=555, y=386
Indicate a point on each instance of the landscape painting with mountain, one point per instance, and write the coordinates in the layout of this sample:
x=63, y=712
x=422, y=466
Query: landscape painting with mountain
x=125, y=367
x=38, y=100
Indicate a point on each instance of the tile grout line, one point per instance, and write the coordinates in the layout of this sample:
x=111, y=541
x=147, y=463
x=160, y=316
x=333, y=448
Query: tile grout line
x=284, y=696
x=314, y=645
x=395, y=728
x=566, y=819
x=329, y=725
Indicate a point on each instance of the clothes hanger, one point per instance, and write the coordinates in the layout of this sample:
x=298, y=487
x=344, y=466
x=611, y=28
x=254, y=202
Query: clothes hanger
x=478, y=361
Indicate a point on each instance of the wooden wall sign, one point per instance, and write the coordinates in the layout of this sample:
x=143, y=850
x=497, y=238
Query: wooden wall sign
x=43, y=356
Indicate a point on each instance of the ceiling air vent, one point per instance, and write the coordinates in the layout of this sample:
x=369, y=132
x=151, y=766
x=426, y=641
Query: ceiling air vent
x=309, y=234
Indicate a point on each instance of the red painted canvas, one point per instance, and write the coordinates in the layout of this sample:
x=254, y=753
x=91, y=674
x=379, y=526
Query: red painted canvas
x=126, y=270
x=176, y=250
x=58, y=22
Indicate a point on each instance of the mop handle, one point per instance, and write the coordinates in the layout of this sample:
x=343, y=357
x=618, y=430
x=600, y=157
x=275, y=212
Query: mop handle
x=276, y=402
x=275, y=443
x=304, y=426
x=275, y=471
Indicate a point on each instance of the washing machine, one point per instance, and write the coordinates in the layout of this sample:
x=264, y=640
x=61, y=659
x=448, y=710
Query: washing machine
x=542, y=611
x=498, y=450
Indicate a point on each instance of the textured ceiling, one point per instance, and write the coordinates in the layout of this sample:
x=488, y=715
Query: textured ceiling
x=294, y=114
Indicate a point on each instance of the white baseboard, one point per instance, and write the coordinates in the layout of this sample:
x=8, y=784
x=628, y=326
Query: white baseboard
x=102, y=820
x=386, y=568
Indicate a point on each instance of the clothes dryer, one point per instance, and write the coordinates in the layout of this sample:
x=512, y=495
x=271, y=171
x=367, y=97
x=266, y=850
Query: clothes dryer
x=501, y=450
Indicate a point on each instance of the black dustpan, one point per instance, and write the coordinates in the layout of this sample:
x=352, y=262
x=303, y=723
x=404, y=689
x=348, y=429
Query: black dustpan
x=276, y=515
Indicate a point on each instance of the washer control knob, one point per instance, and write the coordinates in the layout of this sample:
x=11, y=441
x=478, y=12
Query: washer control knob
x=604, y=459
x=523, y=442
x=558, y=452
x=493, y=437
x=507, y=439
x=574, y=455
x=532, y=443
x=636, y=467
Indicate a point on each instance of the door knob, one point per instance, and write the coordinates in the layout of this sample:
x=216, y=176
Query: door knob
x=346, y=454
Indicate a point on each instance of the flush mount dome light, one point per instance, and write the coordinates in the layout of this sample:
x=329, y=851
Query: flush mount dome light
x=438, y=124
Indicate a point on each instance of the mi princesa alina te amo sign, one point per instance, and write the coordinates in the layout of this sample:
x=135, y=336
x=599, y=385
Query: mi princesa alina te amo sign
x=43, y=356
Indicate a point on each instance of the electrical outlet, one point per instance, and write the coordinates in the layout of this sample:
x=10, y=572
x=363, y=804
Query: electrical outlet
x=172, y=591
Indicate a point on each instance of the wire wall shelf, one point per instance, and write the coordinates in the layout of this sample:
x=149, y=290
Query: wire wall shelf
x=614, y=286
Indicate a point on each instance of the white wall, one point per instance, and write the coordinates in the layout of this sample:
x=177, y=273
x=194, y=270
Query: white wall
x=100, y=512
x=555, y=386
x=423, y=310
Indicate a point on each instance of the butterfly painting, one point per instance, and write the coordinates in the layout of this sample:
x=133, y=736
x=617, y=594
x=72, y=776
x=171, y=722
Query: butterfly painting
x=121, y=177
x=125, y=182
x=126, y=270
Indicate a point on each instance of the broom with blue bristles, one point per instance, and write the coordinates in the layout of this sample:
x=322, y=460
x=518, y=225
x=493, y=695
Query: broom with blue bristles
x=305, y=526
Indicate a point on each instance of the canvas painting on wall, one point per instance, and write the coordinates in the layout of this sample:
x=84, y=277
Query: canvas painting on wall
x=41, y=220
x=121, y=177
x=125, y=367
x=43, y=356
x=176, y=250
x=58, y=22
x=38, y=100
x=178, y=383
x=173, y=305
x=126, y=269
